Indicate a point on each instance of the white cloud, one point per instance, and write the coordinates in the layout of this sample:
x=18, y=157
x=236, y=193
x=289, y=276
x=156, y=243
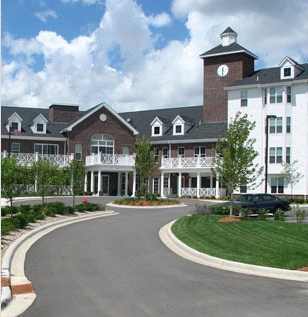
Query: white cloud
x=87, y=2
x=119, y=64
x=45, y=15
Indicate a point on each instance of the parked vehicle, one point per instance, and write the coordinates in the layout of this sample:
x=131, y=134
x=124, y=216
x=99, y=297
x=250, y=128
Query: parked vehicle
x=256, y=202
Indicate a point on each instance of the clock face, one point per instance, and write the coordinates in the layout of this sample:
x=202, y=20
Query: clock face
x=222, y=70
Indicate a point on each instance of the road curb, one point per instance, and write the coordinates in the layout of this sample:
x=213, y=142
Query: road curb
x=183, y=250
x=16, y=283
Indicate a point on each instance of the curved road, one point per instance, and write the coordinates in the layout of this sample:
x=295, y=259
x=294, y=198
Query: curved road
x=117, y=267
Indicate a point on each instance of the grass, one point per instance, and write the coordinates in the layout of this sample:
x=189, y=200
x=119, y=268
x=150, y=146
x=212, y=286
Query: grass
x=260, y=242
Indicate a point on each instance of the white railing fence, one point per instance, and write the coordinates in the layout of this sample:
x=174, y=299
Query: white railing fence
x=181, y=162
x=110, y=159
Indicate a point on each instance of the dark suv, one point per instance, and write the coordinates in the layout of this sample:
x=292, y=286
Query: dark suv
x=261, y=201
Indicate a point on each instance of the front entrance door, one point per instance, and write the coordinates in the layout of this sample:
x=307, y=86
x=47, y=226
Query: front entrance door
x=105, y=185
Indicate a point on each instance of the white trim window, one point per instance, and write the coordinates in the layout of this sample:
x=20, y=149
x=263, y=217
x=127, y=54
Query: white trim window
x=46, y=148
x=102, y=143
x=275, y=155
x=200, y=151
x=181, y=151
x=275, y=125
x=78, y=151
x=244, y=98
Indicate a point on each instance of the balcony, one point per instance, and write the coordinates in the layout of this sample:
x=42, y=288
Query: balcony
x=187, y=163
x=27, y=159
x=111, y=161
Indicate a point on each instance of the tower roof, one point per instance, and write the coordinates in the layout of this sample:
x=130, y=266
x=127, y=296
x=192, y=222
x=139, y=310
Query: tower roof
x=229, y=46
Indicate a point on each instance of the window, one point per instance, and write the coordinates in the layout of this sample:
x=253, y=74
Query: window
x=40, y=127
x=156, y=130
x=277, y=185
x=200, y=151
x=288, y=125
x=14, y=126
x=288, y=155
x=275, y=125
x=178, y=129
x=165, y=152
x=289, y=92
x=155, y=185
x=244, y=98
x=15, y=147
x=156, y=154
x=46, y=148
x=125, y=150
x=276, y=94
x=275, y=155
x=102, y=143
x=287, y=72
x=78, y=152
x=181, y=151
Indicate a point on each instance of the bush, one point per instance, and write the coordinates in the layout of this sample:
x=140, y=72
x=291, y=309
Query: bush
x=245, y=212
x=279, y=215
x=81, y=208
x=201, y=209
x=24, y=208
x=221, y=209
x=7, y=226
x=300, y=215
x=262, y=213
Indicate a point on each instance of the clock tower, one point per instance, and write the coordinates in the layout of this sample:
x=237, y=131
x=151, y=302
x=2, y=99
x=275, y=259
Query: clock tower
x=223, y=65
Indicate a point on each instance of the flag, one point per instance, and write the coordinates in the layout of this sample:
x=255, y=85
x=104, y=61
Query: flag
x=14, y=131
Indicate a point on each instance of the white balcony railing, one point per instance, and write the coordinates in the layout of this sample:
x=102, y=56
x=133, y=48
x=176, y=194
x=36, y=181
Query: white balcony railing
x=28, y=158
x=187, y=162
x=110, y=159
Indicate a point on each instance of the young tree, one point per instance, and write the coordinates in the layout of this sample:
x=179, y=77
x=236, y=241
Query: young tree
x=46, y=177
x=76, y=175
x=290, y=174
x=13, y=180
x=144, y=163
x=234, y=163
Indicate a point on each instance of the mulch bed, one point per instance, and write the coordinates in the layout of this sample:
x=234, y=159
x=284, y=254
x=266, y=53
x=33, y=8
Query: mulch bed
x=229, y=219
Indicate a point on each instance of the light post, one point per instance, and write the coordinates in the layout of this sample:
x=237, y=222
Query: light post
x=268, y=117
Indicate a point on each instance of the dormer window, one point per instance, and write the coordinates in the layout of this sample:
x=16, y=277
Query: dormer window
x=289, y=68
x=39, y=124
x=156, y=130
x=181, y=125
x=159, y=126
x=14, y=123
x=178, y=129
x=287, y=72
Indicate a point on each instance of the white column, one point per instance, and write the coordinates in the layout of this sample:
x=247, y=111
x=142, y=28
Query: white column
x=198, y=185
x=162, y=194
x=99, y=181
x=92, y=182
x=126, y=184
x=134, y=184
x=85, y=189
x=180, y=184
x=217, y=186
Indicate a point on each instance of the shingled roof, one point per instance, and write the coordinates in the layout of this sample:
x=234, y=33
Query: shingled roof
x=141, y=121
x=269, y=76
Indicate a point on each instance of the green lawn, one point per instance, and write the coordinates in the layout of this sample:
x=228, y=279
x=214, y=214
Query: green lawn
x=260, y=242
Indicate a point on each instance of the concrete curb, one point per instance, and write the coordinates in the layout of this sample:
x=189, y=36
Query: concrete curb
x=181, y=249
x=18, y=287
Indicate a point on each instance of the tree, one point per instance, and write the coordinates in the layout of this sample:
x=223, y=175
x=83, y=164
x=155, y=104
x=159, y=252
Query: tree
x=234, y=163
x=76, y=176
x=46, y=177
x=290, y=174
x=13, y=180
x=144, y=163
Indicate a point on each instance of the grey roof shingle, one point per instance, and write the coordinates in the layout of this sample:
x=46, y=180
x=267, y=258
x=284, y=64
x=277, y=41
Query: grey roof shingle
x=269, y=76
x=229, y=49
x=141, y=120
x=27, y=115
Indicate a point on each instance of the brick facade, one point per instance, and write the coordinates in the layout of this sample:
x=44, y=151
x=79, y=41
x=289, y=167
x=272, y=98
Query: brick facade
x=63, y=113
x=214, y=95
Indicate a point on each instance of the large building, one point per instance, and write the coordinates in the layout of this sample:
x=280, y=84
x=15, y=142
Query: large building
x=183, y=138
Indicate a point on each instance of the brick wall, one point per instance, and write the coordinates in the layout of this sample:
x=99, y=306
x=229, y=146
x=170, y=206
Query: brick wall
x=214, y=96
x=82, y=133
x=63, y=113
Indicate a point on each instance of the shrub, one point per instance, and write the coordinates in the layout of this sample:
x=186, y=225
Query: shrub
x=262, y=213
x=300, y=215
x=279, y=215
x=245, y=212
x=81, y=208
x=221, y=209
x=201, y=209
x=24, y=208
x=151, y=196
x=7, y=225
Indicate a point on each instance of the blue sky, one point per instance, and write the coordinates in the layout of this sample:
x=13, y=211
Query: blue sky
x=134, y=54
